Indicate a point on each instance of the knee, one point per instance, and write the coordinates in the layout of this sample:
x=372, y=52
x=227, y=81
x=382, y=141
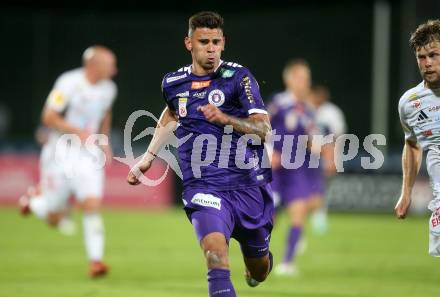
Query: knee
x=216, y=259
x=215, y=249
x=216, y=252
x=53, y=219
x=91, y=205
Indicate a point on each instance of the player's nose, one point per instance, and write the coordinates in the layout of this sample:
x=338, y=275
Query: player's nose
x=211, y=48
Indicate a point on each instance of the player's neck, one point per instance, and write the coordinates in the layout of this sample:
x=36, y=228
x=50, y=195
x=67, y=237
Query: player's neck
x=198, y=70
x=90, y=77
x=432, y=86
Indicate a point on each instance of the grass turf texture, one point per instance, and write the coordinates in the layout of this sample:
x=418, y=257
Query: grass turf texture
x=156, y=254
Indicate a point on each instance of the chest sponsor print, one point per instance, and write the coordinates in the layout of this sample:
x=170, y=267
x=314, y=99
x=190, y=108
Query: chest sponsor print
x=196, y=85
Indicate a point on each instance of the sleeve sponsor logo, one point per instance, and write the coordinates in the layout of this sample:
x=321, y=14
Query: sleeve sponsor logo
x=200, y=84
x=56, y=98
x=174, y=78
x=246, y=84
x=207, y=200
x=412, y=97
x=216, y=97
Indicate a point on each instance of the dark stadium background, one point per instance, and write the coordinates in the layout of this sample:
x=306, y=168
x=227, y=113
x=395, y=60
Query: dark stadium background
x=39, y=41
x=366, y=252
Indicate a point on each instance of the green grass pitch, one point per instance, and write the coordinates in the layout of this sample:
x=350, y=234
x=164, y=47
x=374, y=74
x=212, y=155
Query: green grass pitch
x=156, y=254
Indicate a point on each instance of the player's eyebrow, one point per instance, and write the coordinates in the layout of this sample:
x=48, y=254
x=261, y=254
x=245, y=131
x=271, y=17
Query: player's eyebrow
x=205, y=40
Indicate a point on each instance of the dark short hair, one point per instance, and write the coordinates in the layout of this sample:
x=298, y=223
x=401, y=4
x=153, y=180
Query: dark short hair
x=425, y=33
x=205, y=19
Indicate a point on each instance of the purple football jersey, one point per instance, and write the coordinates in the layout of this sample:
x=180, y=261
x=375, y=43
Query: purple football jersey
x=290, y=117
x=234, y=90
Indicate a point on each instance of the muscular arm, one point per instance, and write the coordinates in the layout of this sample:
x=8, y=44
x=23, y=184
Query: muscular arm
x=105, y=128
x=411, y=161
x=258, y=123
x=165, y=127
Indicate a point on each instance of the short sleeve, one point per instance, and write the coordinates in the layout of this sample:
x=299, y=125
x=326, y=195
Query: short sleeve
x=165, y=95
x=249, y=94
x=59, y=95
x=332, y=118
x=408, y=131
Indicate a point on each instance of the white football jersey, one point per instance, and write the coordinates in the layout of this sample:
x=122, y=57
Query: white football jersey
x=331, y=117
x=82, y=103
x=419, y=111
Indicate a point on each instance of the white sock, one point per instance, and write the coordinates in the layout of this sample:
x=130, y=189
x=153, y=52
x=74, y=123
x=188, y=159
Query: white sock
x=93, y=236
x=67, y=226
x=319, y=220
x=38, y=206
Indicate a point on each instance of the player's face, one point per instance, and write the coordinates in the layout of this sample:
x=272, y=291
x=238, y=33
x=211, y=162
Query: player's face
x=107, y=66
x=298, y=80
x=206, y=46
x=428, y=60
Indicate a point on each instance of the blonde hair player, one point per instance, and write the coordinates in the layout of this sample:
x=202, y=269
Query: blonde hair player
x=76, y=110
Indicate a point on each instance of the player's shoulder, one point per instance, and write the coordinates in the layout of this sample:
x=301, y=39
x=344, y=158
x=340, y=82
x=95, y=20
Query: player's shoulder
x=109, y=88
x=231, y=69
x=278, y=102
x=110, y=85
x=412, y=94
x=282, y=100
x=329, y=108
x=176, y=77
x=70, y=76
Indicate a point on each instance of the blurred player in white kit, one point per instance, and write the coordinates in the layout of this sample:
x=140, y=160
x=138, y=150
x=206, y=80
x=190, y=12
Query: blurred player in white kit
x=78, y=113
x=330, y=120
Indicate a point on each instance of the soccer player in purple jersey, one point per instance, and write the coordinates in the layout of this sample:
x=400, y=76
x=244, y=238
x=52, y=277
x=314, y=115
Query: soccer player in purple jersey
x=215, y=104
x=292, y=117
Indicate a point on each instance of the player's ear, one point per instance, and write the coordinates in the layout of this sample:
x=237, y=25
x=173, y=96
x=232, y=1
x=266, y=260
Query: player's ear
x=188, y=43
x=224, y=42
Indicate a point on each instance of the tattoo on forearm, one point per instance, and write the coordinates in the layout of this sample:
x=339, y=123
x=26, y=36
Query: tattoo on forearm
x=250, y=126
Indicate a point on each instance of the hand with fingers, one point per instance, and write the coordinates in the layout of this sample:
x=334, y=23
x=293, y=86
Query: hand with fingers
x=402, y=206
x=213, y=114
x=137, y=170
